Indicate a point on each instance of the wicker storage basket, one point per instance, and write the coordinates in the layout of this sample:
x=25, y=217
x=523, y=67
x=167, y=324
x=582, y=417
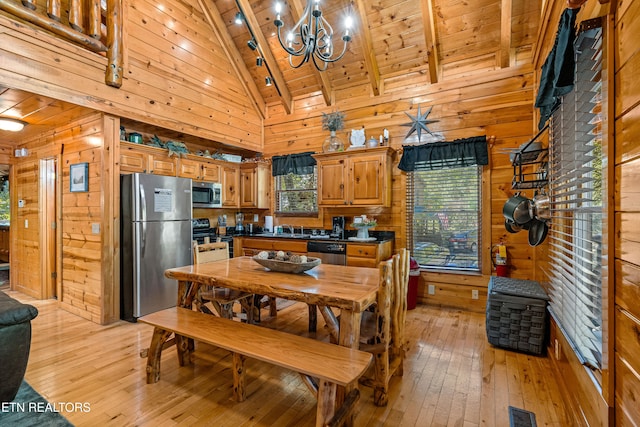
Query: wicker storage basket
x=517, y=315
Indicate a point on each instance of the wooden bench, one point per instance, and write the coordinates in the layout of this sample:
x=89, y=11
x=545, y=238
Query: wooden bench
x=331, y=364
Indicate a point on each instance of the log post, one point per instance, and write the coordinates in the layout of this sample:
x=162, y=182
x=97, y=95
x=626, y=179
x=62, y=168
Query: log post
x=43, y=21
x=75, y=15
x=158, y=339
x=95, y=20
x=53, y=9
x=239, y=390
x=326, y=403
x=113, y=76
x=31, y=4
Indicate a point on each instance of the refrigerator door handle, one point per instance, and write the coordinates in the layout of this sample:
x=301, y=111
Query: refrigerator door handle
x=142, y=239
x=143, y=204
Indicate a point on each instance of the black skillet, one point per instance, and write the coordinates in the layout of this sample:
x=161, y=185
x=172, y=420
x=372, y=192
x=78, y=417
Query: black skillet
x=537, y=232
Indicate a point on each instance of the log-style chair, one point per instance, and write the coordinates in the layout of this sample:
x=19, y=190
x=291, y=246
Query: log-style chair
x=221, y=298
x=382, y=330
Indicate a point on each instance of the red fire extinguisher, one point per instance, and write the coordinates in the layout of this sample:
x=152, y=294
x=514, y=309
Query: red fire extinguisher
x=499, y=259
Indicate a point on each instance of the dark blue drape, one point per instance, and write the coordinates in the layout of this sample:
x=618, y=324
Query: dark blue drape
x=443, y=155
x=558, y=71
x=300, y=164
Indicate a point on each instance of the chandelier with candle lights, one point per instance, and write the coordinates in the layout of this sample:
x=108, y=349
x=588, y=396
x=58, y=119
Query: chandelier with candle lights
x=312, y=37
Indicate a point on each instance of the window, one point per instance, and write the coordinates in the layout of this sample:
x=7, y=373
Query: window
x=297, y=193
x=578, y=213
x=5, y=201
x=445, y=217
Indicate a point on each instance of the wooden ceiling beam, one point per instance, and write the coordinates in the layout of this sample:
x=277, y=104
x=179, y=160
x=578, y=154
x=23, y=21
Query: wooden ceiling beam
x=297, y=9
x=370, y=61
x=266, y=53
x=505, y=33
x=428, y=20
x=219, y=28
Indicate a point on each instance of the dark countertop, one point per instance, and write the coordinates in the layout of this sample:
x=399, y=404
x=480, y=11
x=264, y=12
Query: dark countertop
x=381, y=236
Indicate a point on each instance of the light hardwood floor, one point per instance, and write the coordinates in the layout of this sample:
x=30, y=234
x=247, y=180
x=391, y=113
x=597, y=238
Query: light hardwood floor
x=452, y=377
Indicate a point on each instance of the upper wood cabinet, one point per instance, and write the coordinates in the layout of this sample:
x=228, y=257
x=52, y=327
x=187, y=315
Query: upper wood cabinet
x=355, y=178
x=255, y=181
x=230, y=175
x=145, y=159
x=199, y=169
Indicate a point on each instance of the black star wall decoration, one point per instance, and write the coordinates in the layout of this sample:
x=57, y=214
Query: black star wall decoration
x=419, y=123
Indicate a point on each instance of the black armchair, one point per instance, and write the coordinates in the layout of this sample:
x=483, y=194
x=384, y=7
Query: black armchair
x=15, y=343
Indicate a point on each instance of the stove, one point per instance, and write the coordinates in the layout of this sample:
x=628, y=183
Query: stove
x=202, y=228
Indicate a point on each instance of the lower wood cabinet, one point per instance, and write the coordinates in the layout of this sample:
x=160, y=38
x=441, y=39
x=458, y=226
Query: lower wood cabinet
x=247, y=246
x=368, y=254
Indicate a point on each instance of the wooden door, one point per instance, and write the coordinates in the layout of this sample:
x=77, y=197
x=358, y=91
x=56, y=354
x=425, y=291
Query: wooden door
x=48, y=241
x=162, y=165
x=366, y=179
x=210, y=172
x=230, y=187
x=248, y=186
x=132, y=160
x=332, y=177
x=189, y=169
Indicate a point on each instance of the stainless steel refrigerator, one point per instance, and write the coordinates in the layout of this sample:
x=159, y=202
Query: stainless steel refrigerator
x=156, y=233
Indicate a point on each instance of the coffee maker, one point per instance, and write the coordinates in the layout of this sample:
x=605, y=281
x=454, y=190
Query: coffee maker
x=239, y=223
x=337, y=229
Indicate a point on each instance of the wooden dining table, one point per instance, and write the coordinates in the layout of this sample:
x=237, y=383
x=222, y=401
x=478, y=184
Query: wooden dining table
x=327, y=286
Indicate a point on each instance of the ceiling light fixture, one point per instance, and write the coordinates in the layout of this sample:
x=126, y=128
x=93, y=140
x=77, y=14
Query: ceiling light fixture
x=259, y=61
x=267, y=81
x=252, y=44
x=11, y=125
x=312, y=37
x=239, y=18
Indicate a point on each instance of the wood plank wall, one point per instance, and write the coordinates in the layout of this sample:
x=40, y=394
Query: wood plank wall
x=615, y=398
x=626, y=358
x=193, y=90
x=496, y=104
x=79, y=251
x=82, y=260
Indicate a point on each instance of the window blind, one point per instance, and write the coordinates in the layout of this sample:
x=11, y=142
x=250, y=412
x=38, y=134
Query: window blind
x=297, y=193
x=578, y=208
x=445, y=217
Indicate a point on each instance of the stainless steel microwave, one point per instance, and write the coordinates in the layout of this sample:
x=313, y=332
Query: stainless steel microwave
x=206, y=194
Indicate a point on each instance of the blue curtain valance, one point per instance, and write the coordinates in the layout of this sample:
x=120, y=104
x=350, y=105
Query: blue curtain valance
x=300, y=164
x=443, y=155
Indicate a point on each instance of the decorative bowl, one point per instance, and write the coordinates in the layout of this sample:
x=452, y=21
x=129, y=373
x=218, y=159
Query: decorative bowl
x=287, y=266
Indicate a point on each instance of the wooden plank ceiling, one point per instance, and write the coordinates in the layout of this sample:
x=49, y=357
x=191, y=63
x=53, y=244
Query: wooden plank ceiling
x=439, y=39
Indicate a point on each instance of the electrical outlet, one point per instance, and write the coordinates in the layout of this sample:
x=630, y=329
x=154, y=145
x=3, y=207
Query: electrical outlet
x=432, y=289
x=95, y=228
x=26, y=223
x=474, y=294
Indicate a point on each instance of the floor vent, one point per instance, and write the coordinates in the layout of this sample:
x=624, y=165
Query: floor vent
x=521, y=418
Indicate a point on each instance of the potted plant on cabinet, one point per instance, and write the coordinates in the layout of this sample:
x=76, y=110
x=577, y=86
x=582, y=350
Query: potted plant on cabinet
x=333, y=122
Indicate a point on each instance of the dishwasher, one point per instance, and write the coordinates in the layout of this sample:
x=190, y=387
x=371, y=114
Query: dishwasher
x=328, y=252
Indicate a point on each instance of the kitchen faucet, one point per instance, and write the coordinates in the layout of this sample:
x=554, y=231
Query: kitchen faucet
x=289, y=227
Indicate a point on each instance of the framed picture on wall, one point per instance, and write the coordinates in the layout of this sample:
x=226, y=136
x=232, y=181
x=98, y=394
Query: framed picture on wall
x=79, y=177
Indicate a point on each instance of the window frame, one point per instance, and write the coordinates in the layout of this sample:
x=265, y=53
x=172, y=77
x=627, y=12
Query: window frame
x=483, y=229
x=565, y=311
x=277, y=191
